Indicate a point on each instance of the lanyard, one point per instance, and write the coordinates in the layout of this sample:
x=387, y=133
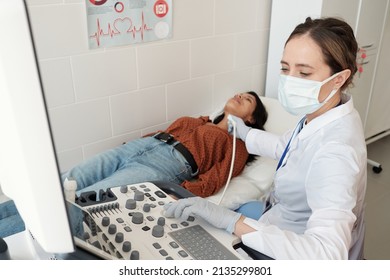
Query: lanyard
x=298, y=128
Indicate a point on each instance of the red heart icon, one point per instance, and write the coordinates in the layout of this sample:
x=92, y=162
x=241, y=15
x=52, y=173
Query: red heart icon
x=123, y=25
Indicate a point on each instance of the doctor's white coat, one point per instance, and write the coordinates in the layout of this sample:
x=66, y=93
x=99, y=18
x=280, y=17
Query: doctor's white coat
x=318, y=193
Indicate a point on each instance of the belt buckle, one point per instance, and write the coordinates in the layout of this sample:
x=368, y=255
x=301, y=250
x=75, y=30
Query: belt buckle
x=165, y=137
x=194, y=174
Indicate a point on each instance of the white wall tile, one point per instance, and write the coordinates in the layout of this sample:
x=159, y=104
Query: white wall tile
x=59, y=30
x=138, y=110
x=258, y=79
x=193, y=19
x=43, y=2
x=161, y=64
x=74, y=1
x=251, y=49
x=104, y=73
x=212, y=55
x=68, y=159
x=79, y=124
x=3, y=197
x=153, y=129
x=226, y=85
x=189, y=97
x=217, y=49
x=264, y=14
x=57, y=82
x=235, y=16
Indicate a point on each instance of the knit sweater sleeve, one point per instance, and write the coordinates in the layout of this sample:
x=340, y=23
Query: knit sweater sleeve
x=211, y=181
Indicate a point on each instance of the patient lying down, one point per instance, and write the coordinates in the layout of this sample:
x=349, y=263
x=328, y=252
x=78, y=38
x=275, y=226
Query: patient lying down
x=193, y=152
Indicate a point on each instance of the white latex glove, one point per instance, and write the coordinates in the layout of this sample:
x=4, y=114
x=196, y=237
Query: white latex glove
x=241, y=127
x=218, y=216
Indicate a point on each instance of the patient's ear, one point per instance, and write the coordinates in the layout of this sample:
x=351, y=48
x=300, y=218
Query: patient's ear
x=250, y=121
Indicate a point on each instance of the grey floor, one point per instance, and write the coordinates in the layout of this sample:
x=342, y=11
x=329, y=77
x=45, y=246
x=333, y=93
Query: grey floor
x=377, y=241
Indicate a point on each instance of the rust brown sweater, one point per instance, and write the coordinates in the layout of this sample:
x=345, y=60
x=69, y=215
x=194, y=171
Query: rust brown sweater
x=211, y=148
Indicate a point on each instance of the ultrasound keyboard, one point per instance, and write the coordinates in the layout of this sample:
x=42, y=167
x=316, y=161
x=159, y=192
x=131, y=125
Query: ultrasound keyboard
x=127, y=223
x=200, y=244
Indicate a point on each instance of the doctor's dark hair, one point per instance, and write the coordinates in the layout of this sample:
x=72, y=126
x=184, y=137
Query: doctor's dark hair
x=337, y=41
x=259, y=115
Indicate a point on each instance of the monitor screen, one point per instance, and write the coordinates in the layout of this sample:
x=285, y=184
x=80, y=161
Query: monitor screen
x=29, y=172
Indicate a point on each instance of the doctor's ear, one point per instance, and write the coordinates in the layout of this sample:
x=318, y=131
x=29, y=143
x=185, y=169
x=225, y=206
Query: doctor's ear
x=342, y=78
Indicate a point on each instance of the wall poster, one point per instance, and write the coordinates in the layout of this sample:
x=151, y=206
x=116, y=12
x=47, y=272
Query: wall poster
x=124, y=22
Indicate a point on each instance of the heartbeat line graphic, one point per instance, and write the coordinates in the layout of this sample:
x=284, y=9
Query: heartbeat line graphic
x=119, y=27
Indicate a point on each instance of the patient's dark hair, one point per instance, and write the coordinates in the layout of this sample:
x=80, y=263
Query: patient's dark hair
x=260, y=116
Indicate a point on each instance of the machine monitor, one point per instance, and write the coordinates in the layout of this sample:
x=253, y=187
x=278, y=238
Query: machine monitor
x=29, y=172
x=126, y=222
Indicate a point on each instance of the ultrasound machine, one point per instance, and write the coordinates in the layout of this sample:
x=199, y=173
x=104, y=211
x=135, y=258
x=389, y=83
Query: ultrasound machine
x=127, y=222
x=122, y=222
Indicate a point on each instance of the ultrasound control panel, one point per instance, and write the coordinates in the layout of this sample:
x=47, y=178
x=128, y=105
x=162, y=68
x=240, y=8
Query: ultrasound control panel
x=128, y=223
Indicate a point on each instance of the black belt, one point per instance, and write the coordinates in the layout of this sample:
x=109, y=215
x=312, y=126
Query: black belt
x=170, y=140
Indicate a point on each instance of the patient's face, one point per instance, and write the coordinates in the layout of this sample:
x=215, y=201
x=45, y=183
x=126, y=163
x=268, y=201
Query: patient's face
x=241, y=105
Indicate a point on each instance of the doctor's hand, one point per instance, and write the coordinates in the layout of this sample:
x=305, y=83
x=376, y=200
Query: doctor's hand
x=242, y=128
x=217, y=216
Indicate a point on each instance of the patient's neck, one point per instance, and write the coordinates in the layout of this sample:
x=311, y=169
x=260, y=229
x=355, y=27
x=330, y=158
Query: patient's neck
x=223, y=124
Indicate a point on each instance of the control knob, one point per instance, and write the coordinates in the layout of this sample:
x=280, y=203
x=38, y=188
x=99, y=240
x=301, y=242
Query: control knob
x=137, y=218
x=158, y=231
x=131, y=204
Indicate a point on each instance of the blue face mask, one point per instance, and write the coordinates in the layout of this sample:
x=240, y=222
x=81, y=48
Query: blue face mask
x=300, y=96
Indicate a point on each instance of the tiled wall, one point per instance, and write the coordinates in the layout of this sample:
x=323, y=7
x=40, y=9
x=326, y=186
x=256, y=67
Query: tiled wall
x=100, y=98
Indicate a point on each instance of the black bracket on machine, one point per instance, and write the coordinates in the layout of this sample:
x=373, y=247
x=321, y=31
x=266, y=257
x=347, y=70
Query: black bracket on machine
x=90, y=198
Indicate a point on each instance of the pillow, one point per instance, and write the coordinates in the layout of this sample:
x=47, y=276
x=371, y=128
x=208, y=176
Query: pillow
x=254, y=183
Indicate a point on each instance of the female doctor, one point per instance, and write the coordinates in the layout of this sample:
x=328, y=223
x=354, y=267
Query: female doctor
x=316, y=208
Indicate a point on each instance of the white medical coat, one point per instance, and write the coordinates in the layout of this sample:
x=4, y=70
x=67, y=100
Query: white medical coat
x=319, y=192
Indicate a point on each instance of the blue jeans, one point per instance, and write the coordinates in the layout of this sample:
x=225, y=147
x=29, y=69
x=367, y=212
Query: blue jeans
x=140, y=160
x=10, y=220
